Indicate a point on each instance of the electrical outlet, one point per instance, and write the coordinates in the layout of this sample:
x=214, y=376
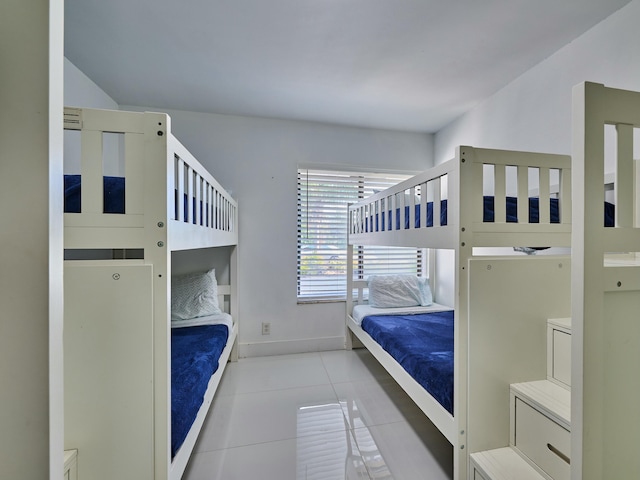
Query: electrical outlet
x=266, y=328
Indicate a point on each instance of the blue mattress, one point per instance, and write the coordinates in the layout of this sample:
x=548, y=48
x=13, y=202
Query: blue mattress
x=113, y=188
x=114, y=197
x=382, y=223
x=194, y=358
x=423, y=345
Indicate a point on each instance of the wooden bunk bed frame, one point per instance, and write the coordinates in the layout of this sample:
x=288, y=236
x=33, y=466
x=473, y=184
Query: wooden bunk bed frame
x=127, y=390
x=486, y=337
x=606, y=289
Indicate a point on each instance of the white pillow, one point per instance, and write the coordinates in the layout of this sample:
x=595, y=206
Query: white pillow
x=194, y=295
x=390, y=291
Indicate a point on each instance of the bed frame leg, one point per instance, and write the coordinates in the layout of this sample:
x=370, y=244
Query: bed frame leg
x=233, y=356
x=352, y=341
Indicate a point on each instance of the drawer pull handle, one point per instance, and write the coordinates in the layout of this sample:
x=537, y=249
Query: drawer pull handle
x=559, y=453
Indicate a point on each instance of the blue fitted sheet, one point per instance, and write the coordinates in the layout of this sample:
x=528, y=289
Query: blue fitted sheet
x=382, y=223
x=423, y=345
x=194, y=359
x=114, y=197
x=113, y=194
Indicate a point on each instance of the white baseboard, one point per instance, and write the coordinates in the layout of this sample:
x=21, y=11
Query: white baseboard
x=284, y=347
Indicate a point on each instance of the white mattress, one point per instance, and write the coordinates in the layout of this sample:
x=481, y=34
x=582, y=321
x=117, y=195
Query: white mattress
x=361, y=311
x=220, y=319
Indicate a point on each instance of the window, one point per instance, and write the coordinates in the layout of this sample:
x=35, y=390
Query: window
x=323, y=197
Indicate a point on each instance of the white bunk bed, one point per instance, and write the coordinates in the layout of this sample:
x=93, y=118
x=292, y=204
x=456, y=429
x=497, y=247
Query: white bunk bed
x=499, y=318
x=606, y=288
x=118, y=275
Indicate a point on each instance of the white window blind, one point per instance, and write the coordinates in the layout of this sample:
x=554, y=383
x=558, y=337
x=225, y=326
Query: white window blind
x=323, y=197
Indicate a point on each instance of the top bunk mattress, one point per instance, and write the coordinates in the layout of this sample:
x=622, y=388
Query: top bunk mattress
x=113, y=194
x=382, y=223
x=114, y=197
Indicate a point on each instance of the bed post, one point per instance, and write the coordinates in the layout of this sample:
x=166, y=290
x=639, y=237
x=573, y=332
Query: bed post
x=233, y=307
x=431, y=265
x=460, y=187
x=587, y=139
x=349, y=302
x=156, y=252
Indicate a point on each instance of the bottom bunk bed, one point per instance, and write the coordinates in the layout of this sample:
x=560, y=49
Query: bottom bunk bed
x=195, y=352
x=109, y=366
x=412, y=338
x=200, y=351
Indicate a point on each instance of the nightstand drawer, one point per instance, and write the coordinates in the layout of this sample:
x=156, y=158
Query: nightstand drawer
x=542, y=440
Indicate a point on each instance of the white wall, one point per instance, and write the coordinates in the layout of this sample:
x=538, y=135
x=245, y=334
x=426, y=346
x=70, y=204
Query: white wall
x=81, y=91
x=534, y=111
x=257, y=159
x=31, y=379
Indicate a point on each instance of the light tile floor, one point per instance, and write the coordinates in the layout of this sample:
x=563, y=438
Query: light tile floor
x=316, y=416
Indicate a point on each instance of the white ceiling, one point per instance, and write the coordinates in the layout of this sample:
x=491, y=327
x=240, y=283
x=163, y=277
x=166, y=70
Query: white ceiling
x=397, y=64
